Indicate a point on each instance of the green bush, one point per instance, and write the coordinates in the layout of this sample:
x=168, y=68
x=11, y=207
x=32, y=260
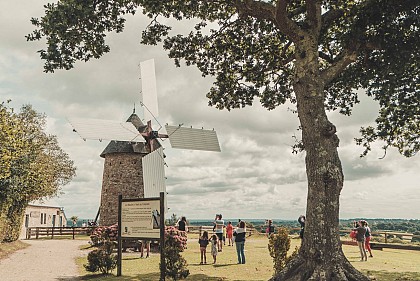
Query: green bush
x=175, y=243
x=102, y=259
x=279, y=245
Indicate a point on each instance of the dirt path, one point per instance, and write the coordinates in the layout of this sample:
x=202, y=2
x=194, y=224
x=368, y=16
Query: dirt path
x=43, y=260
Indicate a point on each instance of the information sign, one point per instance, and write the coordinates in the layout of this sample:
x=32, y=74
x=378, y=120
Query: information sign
x=140, y=219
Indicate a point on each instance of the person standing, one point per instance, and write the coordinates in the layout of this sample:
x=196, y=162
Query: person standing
x=301, y=221
x=214, y=242
x=182, y=224
x=229, y=233
x=219, y=225
x=239, y=234
x=368, y=236
x=203, y=241
x=270, y=228
x=360, y=238
x=145, y=244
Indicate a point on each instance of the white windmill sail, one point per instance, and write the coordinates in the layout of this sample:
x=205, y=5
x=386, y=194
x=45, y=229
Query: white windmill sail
x=98, y=129
x=154, y=174
x=195, y=139
x=148, y=89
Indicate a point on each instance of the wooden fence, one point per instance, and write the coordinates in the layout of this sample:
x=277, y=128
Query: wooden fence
x=386, y=234
x=209, y=228
x=38, y=232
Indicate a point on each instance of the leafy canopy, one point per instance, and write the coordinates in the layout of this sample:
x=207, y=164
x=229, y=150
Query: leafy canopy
x=33, y=166
x=251, y=48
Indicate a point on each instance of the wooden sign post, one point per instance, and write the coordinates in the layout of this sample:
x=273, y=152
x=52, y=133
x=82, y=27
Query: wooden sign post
x=143, y=219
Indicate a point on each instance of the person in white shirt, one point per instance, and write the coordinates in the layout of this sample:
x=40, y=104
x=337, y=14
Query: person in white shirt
x=219, y=225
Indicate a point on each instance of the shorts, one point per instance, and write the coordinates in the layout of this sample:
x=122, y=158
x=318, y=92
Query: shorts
x=219, y=235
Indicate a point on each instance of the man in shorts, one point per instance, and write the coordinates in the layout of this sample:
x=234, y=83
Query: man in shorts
x=219, y=225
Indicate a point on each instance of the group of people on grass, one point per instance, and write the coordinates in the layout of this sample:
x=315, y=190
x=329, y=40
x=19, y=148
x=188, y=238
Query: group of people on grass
x=362, y=234
x=218, y=239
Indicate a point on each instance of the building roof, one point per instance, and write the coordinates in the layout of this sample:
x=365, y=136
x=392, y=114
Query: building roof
x=125, y=146
x=129, y=147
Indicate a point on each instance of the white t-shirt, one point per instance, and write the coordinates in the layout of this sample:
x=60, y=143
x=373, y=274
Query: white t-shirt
x=219, y=226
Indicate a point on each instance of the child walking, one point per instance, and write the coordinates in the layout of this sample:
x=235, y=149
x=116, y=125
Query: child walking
x=213, y=242
x=203, y=241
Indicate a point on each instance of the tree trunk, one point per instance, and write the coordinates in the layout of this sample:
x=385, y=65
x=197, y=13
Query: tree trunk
x=320, y=256
x=13, y=223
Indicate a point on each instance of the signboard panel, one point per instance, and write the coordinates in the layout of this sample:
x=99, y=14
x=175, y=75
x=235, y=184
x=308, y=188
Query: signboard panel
x=140, y=219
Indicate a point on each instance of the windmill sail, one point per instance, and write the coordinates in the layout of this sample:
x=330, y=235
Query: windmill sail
x=195, y=139
x=97, y=129
x=154, y=174
x=148, y=89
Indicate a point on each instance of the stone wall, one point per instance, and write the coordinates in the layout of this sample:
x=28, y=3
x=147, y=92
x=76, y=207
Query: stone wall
x=123, y=174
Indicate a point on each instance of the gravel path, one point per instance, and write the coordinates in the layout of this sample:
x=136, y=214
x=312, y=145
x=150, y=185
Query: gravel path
x=43, y=260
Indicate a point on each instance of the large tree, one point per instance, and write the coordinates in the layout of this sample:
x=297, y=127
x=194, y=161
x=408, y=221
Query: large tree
x=313, y=53
x=32, y=166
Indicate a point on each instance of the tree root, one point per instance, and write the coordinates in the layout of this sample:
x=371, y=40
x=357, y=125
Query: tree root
x=308, y=270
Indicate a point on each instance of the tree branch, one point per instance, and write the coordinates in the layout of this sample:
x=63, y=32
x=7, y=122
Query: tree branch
x=347, y=57
x=326, y=57
x=330, y=16
x=313, y=8
x=284, y=23
x=257, y=9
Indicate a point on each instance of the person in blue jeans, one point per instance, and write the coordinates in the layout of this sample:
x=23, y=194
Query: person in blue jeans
x=239, y=235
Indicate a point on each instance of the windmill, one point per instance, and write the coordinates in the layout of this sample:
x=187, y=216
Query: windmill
x=134, y=158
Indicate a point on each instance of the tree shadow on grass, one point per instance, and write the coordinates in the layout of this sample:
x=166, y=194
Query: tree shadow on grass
x=392, y=276
x=150, y=277
x=211, y=264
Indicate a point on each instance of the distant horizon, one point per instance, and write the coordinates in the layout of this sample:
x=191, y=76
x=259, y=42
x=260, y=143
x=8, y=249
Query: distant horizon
x=274, y=219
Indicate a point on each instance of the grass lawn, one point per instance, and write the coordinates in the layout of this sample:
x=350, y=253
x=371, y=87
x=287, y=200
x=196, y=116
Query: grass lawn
x=9, y=248
x=387, y=265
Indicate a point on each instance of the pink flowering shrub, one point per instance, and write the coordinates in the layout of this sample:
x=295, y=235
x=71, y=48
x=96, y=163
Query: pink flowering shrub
x=103, y=233
x=176, y=238
x=175, y=243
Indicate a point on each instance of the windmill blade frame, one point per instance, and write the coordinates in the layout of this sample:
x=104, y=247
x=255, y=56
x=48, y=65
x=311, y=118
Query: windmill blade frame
x=99, y=129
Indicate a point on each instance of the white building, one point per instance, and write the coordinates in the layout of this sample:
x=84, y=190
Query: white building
x=42, y=216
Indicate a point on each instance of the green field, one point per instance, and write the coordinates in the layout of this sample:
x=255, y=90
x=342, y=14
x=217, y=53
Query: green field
x=387, y=265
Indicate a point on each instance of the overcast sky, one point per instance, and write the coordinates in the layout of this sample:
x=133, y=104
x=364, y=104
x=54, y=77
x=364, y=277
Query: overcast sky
x=255, y=176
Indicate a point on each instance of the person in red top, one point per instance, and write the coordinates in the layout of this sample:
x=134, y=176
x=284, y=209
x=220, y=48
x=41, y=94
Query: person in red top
x=229, y=233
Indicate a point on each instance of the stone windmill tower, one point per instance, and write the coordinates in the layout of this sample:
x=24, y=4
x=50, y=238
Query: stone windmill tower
x=134, y=165
x=122, y=174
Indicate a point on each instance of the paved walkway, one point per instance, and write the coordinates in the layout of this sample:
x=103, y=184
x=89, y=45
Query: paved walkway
x=43, y=260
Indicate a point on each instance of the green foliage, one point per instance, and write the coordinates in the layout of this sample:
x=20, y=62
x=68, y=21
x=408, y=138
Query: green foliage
x=175, y=243
x=172, y=220
x=74, y=220
x=372, y=45
x=102, y=258
x=278, y=246
x=32, y=165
